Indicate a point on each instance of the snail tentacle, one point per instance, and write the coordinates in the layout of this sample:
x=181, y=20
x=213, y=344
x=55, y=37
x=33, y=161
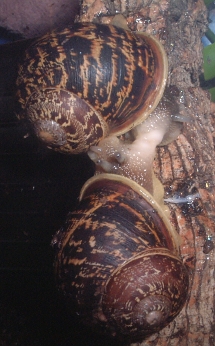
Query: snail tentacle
x=182, y=118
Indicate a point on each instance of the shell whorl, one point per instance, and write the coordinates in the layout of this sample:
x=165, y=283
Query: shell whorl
x=119, y=74
x=146, y=292
x=64, y=121
x=120, y=251
x=156, y=310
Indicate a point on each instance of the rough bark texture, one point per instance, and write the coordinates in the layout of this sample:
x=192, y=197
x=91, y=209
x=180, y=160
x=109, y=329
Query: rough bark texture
x=34, y=18
x=186, y=166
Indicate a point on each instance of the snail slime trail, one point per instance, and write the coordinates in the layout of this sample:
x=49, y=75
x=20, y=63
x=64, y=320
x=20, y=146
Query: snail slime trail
x=117, y=256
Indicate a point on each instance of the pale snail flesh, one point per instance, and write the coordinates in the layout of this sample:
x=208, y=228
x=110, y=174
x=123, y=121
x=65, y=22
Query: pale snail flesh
x=117, y=260
x=81, y=84
x=132, y=155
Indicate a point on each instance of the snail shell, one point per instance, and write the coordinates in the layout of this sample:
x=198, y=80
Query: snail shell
x=80, y=84
x=117, y=259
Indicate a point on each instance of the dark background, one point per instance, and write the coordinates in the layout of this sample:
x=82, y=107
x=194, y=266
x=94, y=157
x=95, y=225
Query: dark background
x=37, y=189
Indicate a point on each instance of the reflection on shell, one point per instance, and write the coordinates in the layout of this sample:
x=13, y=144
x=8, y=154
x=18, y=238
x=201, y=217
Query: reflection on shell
x=50, y=132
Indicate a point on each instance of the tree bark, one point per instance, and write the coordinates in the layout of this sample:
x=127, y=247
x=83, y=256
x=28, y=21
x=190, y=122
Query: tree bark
x=31, y=18
x=186, y=166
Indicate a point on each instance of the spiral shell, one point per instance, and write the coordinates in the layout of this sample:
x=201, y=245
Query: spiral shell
x=146, y=293
x=119, y=75
x=117, y=259
x=68, y=131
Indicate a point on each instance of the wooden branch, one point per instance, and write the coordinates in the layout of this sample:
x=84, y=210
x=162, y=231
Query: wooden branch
x=186, y=166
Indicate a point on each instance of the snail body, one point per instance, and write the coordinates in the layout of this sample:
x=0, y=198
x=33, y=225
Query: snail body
x=118, y=261
x=81, y=84
x=133, y=155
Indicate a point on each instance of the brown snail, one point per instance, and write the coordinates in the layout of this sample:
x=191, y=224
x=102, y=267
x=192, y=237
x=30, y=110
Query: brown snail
x=81, y=84
x=95, y=87
x=118, y=261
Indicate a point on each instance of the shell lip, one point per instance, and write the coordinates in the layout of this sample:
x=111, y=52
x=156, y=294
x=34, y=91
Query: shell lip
x=161, y=54
x=162, y=69
x=157, y=90
x=139, y=190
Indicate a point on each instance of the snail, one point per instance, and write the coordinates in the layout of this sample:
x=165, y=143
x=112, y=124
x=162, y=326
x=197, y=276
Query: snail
x=117, y=256
x=80, y=85
x=97, y=88
x=117, y=259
